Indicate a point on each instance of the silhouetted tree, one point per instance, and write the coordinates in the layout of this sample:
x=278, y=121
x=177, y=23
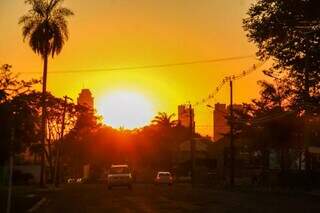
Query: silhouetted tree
x=11, y=86
x=288, y=32
x=16, y=113
x=81, y=140
x=46, y=28
x=269, y=124
x=164, y=120
x=18, y=116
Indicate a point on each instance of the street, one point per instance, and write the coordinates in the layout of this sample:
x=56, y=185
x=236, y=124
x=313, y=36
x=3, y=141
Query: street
x=178, y=198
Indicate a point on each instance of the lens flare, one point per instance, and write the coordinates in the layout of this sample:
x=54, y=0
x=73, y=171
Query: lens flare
x=125, y=109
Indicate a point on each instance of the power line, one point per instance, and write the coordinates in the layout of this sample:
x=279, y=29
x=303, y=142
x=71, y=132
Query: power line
x=148, y=66
x=227, y=79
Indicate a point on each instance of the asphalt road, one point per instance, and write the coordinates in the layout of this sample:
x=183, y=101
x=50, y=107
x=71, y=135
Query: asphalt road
x=178, y=198
x=23, y=198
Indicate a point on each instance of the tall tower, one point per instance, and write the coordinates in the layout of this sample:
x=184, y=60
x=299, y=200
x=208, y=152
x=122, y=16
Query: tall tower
x=184, y=113
x=221, y=126
x=86, y=99
x=220, y=123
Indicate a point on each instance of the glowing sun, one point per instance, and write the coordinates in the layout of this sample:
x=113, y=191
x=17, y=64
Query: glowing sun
x=125, y=109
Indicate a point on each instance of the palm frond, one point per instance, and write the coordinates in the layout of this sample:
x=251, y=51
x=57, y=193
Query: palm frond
x=28, y=28
x=54, y=3
x=38, y=7
x=61, y=22
x=171, y=116
x=62, y=11
x=165, y=120
x=45, y=25
x=57, y=40
x=25, y=19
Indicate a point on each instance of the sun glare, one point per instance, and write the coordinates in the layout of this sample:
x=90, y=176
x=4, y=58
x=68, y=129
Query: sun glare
x=125, y=109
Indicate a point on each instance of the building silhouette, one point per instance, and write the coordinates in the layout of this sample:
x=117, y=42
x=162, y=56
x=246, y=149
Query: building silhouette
x=185, y=115
x=86, y=99
x=220, y=122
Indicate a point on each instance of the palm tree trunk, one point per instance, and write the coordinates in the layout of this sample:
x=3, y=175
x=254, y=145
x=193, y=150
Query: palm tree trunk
x=43, y=119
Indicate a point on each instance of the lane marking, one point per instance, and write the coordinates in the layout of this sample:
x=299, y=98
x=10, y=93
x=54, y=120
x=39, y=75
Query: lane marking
x=139, y=203
x=37, y=205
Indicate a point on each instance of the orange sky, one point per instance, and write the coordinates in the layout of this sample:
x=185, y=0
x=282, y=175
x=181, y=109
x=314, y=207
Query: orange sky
x=121, y=33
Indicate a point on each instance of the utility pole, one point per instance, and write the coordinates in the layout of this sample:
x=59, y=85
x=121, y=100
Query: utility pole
x=57, y=163
x=10, y=171
x=192, y=146
x=231, y=136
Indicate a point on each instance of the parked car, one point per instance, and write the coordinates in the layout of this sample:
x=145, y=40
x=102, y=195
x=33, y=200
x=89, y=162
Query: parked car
x=71, y=180
x=79, y=180
x=164, y=178
x=119, y=175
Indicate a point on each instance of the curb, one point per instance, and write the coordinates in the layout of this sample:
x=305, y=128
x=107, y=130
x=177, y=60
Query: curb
x=49, y=189
x=37, y=205
x=315, y=194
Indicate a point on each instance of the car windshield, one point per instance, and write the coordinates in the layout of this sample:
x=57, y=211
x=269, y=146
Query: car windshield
x=119, y=170
x=164, y=174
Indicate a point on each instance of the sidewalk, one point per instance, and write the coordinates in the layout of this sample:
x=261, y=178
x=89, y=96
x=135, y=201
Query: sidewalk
x=314, y=193
x=23, y=197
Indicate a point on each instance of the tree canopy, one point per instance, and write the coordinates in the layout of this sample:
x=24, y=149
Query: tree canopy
x=289, y=33
x=45, y=26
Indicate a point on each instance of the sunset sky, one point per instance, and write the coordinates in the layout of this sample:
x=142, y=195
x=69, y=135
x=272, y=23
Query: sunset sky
x=124, y=33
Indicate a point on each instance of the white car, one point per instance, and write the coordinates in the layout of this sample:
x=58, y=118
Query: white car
x=71, y=180
x=119, y=175
x=164, y=178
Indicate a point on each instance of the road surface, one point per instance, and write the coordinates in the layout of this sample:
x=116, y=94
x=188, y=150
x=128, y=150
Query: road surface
x=85, y=198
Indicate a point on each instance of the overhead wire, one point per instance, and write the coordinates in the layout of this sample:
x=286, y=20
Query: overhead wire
x=147, y=66
x=227, y=79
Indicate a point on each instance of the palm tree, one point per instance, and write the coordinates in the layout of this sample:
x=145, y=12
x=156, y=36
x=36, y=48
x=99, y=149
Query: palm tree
x=45, y=27
x=164, y=120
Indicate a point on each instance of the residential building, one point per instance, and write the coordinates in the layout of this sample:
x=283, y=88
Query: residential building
x=186, y=116
x=220, y=123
